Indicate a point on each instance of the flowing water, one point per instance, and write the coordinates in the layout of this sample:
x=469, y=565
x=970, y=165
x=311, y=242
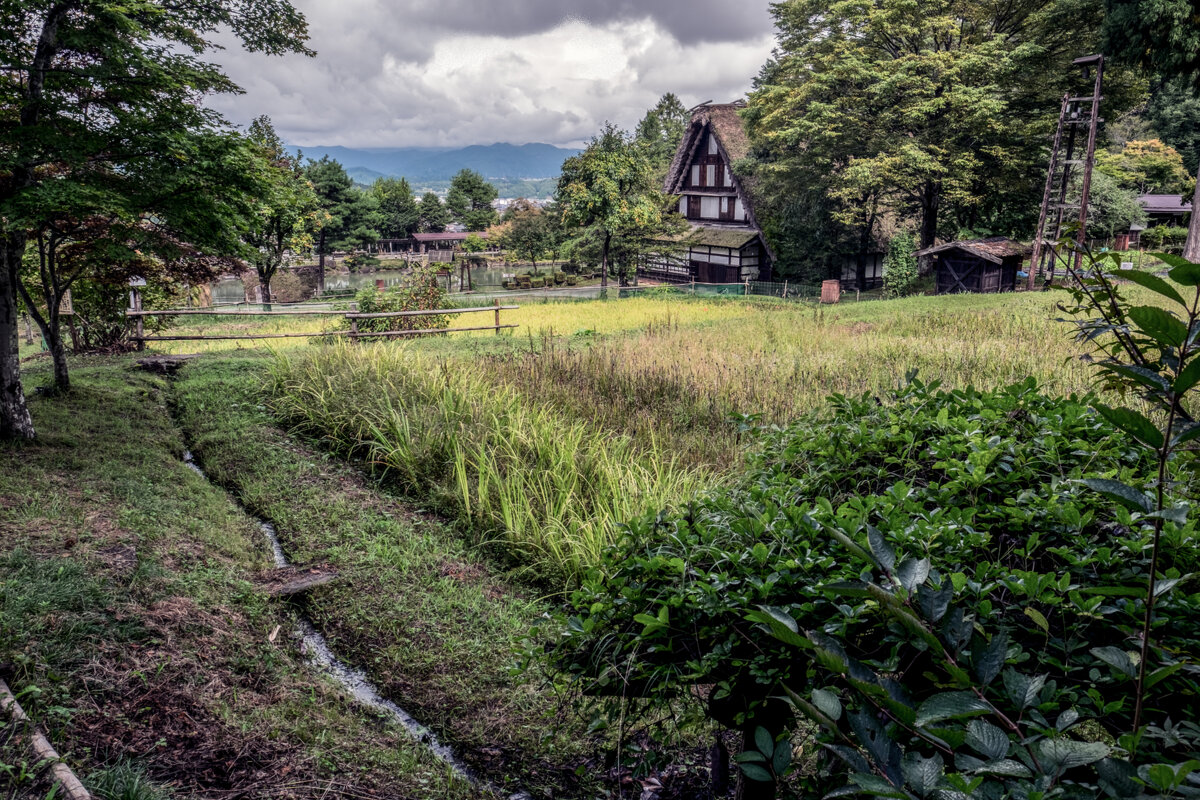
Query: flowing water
x=314, y=646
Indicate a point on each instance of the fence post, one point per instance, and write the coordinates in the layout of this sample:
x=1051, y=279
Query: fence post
x=496, y=303
x=785, y=289
x=353, y=328
x=746, y=289
x=137, y=306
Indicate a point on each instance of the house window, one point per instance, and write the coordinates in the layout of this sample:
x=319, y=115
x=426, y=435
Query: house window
x=695, y=175
x=710, y=208
x=712, y=145
x=739, y=212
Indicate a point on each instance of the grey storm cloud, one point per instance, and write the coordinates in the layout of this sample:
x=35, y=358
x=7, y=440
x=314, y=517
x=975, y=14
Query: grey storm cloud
x=457, y=72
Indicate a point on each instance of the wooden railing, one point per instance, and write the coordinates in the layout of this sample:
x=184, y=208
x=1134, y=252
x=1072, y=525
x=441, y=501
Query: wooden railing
x=352, y=317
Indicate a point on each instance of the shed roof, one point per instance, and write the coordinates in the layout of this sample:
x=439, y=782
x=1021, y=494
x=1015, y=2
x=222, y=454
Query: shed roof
x=994, y=249
x=1164, y=204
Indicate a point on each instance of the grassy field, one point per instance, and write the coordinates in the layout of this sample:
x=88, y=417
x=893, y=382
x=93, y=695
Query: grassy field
x=594, y=411
x=504, y=464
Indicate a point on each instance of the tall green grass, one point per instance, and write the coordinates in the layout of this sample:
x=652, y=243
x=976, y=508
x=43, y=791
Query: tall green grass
x=551, y=490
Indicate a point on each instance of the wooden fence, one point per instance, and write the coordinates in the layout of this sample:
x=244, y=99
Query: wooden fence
x=352, y=318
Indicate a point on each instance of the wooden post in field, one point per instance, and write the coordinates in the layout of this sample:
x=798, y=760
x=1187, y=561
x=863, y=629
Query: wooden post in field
x=746, y=288
x=135, y=300
x=28, y=330
x=785, y=289
x=496, y=303
x=353, y=329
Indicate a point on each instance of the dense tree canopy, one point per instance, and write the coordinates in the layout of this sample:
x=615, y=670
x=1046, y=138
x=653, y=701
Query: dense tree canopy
x=1163, y=37
x=936, y=111
x=287, y=214
x=469, y=201
x=607, y=195
x=659, y=134
x=350, y=217
x=96, y=92
x=432, y=216
x=399, y=217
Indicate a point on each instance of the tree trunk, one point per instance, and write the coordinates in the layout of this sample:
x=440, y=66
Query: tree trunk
x=15, y=422
x=28, y=330
x=931, y=197
x=604, y=266
x=58, y=352
x=1191, y=250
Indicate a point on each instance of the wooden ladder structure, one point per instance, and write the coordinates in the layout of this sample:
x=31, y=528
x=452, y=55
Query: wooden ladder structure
x=1073, y=154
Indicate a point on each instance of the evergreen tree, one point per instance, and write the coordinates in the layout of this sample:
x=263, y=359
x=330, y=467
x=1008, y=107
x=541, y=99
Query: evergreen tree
x=432, y=216
x=469, y=201
x=660, y=132
x=349, y=215
x=398, y=212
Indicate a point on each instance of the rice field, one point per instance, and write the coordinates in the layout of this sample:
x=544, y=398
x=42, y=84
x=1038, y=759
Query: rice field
x=545, y=440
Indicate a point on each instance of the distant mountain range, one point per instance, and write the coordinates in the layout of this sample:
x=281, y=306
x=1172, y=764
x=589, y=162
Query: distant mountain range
x=507, y=165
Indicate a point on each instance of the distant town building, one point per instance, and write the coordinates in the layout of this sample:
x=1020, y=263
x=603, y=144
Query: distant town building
x=725, y=243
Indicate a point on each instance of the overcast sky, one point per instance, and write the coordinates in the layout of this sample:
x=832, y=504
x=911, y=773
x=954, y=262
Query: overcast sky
x=396, y=73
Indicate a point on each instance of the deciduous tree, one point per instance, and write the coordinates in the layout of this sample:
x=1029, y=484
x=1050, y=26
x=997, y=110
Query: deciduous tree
x=1161, y=36
x=939, y=111
x=110, y=87
x=287, y=214
x=607, y=192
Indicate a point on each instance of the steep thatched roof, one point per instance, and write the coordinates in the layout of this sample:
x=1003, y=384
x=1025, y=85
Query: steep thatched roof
x=724, y=121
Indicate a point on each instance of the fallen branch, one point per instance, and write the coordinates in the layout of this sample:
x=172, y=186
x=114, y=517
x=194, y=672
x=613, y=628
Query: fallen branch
x=70, y=785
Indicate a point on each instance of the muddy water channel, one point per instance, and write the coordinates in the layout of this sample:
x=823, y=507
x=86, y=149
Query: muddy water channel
x=314, y=646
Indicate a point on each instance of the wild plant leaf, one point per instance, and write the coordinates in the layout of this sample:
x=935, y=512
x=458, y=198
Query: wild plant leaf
x=1162, y=673
x=1187, y=433
x=1006, y=767
x=756, y=772
x=1151, y=282
x=1038, y=618
x=1119, y=779
x=882, y=551
x=950, y=705
x=1183, y=272
x=1064, y=754
x=913, y=572
x=764, y=741
x=1066, y=720
x=1122, y=493
x=750, y=756
x=1022, y=690
x=1116, y=658
x=1133, y=423
x=1143, y=375
x=876, y=786
x=987, y=740
x=1176, y=513
x=828, y=703
x=1160, y=325
x=1188, y=378
x=990, y=659
x=783, y=756
x=935, y=602
x=923, y=775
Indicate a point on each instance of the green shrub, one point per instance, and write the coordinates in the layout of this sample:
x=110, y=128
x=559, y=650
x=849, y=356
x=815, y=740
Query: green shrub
x=900, y=271
x=929, y=580
x=422, y=291
x=537, y=283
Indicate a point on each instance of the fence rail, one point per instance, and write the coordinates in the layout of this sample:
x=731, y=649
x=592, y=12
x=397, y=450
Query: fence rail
x=352, y=317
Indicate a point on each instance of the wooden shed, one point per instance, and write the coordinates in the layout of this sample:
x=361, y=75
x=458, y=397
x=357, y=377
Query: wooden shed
x=977, y=265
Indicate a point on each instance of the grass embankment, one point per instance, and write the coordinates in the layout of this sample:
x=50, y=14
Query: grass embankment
x=432, y=623
x=132, y=629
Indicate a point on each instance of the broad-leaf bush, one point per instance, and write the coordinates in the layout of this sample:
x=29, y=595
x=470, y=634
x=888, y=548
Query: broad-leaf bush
x=929, y=580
